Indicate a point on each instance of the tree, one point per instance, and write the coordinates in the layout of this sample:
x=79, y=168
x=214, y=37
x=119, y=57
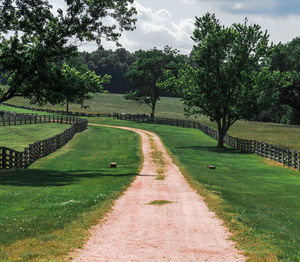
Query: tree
x=222, y=83
x=76, y=86
x=33, y=38
x=147, y=72
x=286, y=59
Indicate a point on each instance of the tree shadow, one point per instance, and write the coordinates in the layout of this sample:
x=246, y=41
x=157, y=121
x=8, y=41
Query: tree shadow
x=43, y=178
x=213, y=149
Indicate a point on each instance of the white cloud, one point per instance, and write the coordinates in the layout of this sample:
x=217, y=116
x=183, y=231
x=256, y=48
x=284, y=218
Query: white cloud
x=238, y=6
x=188, y=2
x=161, y=23
x=158, y=29
x=163, y=13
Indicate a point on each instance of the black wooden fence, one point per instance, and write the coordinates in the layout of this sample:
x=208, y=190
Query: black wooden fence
x=10, y=158
x=280, y=154
x=61, y=112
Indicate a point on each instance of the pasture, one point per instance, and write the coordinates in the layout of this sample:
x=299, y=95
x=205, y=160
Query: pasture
x=47, y=209
x=18, y=110
x=278, y=134
x=257, y=199
x=19, y=137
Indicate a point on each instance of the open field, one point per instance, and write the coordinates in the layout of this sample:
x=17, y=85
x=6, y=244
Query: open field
x=19, y=137
x=46, y=210
x=19, y=110
x=257, y=199
x=110, y=103
x=283, y=135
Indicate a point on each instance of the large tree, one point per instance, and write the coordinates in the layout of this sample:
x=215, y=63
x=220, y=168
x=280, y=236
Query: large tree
x=75, y=86
x=34, y=38
x=226, y=65
x=147, y=72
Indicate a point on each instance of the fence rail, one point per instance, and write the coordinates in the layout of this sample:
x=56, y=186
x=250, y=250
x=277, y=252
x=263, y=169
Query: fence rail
x=10, y=158
x=277, y=153
x=61, y=112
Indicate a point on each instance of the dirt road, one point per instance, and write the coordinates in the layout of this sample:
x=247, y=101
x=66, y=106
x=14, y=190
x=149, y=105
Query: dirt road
x=180, y=230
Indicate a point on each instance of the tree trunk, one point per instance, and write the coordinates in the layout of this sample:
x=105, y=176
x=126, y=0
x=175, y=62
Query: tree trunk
x=222, y=132
x=221, y=140
x=67, y=106
x=295, y=117
x=153, y=109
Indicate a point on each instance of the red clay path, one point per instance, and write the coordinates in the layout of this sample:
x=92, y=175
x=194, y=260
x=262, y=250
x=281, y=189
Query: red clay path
x=184, y=230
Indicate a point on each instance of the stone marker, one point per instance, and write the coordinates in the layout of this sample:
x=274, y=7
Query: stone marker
x=211, y=167
x=113, y=164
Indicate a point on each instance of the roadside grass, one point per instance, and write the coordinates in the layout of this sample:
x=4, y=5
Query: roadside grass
x=19, y=137
x=158, y=160
x=47, y=210
x=160, y=202
x=258, y=202
x=283, y=135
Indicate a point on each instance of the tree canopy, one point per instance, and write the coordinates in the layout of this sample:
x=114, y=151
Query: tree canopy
x=77, y=86
x=147, y=72
x=115, y=63
x=226, y=65
x=286, y=58
x=34, y=38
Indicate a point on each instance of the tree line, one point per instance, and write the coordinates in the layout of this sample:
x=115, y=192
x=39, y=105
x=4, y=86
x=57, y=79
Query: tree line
x=279, y=99
x=231, y=73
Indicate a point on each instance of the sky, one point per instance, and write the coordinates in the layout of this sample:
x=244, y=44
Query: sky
x=171, y=22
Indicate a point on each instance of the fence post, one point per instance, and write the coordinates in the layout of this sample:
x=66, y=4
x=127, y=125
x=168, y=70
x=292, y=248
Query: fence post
x=3, y=158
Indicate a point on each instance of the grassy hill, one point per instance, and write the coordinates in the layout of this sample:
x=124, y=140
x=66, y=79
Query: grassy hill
x=284, y=135
x=19, y=137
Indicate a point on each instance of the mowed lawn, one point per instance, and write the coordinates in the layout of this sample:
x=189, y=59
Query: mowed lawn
x=283, y=135
x=47, y=209
x=258, y=200
x=22, y=111
x=19, y=137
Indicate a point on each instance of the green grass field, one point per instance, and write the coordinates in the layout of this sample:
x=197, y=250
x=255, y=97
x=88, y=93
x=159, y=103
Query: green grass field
x=19, y=110
x=283, y=135
x=46, y=210
x=258, y=201
x=19, y=137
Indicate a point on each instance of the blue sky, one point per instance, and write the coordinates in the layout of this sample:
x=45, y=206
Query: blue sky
x=171, y=22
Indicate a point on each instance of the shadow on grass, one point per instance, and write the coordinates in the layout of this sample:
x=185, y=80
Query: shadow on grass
x=213, y=149
x=40, y=178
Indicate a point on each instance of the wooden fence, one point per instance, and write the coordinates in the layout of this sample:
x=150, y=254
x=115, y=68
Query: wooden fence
x=280, y=154
x=61, y=112
x=277, y=153
x=10, y=158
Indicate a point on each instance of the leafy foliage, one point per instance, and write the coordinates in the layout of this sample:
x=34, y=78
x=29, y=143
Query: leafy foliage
x=226, y=65
x=115, y=63
x=78, y=86
x=33, y=38
x=147, y=74
x=286, y=59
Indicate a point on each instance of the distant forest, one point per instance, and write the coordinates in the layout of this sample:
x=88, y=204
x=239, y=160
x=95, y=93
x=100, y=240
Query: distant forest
x=115, y=63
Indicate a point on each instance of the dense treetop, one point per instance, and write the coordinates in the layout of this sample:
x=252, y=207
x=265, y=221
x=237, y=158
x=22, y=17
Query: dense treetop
x=34, y=38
